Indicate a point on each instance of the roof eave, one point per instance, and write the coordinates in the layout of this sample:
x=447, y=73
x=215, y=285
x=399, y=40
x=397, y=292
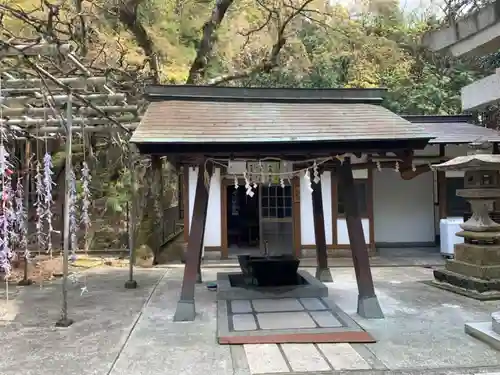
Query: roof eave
x=263, y=148
x=241, y=94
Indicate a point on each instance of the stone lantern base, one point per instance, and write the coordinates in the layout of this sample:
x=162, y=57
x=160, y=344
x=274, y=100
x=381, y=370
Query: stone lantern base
x=475, y=271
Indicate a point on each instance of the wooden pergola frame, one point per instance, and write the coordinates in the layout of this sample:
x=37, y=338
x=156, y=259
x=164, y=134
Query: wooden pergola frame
x=40, y=105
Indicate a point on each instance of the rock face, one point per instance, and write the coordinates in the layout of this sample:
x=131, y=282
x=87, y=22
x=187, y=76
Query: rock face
x=475, y=271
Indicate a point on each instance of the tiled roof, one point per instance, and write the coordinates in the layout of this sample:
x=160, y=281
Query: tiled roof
x=219, y=121
x=454, y=129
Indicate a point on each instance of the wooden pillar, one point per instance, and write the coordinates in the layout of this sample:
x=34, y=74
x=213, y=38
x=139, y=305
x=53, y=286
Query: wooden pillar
x=368, y=306
x=441, y=187
x=185, y=307
x=157, y=197
x=322, y=270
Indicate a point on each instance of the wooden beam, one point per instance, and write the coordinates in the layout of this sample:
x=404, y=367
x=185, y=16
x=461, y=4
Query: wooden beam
x=297, y=238
x=371, y=214
x=322, y=270
x=441, y=187
x=157, y=195
x=223, y=211
x=185, y=198
x=186, y=307
x=368, y=306
x=41, y=49
x=335, y=207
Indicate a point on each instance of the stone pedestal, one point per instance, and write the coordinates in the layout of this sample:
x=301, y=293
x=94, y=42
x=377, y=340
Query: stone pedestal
x=475, y=271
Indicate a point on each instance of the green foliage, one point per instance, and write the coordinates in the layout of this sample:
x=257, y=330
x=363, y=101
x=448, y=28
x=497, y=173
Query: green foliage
x=326, y=47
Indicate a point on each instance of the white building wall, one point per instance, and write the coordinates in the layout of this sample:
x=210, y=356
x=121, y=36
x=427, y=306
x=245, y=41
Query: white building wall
x=403, y=210
x=306, y=213
x=342, y=233
x=213, y=225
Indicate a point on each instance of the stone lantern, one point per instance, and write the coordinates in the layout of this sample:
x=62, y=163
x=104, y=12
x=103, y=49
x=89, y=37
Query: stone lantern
x=475, y=270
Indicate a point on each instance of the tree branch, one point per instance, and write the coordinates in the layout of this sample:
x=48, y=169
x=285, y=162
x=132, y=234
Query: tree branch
x=272, y=60
x=128, y=15
x=207, y=40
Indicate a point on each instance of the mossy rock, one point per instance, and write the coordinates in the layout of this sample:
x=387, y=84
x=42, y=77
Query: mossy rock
x=173, y=252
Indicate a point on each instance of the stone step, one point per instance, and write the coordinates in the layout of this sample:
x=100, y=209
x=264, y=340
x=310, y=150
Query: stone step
x=484, y=272
x=484, y=332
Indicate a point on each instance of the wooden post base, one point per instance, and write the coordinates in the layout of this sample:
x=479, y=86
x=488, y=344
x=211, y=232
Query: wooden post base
x=324, y=275
x=185, y=312
x=369, y=308
x=25, y=282
x=131, y=284
x=64, y=323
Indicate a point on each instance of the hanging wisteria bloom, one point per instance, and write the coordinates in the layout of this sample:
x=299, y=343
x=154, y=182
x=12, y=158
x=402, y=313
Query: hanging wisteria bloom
x=73, y=226
x=39, y=204
x=48, y=184
x=21, y=218
x=85, y=179
x=6, y=253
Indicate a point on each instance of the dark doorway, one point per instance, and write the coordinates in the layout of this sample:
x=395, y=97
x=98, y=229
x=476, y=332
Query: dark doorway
x=242, y=221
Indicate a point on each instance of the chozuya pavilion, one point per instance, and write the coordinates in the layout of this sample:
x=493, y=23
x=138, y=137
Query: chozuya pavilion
x=276, y=136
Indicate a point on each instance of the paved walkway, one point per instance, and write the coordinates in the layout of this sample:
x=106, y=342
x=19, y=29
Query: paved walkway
x=130, y=332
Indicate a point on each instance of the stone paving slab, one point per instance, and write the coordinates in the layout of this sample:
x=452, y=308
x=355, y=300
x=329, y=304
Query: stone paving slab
x=422, y=334
x=303, y=358
x=286, y=320
x=276, y=305
x=265, y=358
x=103, y=317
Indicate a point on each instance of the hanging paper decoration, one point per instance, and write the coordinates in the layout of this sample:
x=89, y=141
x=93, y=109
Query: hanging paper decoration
x=73, y=226
x=48, y=200
x=235, y=182
x=396, y=166
x=85, y=180
x=10, y=211
x=282, y=183
x=379, y=166
x=316, y=173
x=248, y=187
x=413, y=167
x=39, y=204
x=6, y=254
x=206, y=177
x=340, y=158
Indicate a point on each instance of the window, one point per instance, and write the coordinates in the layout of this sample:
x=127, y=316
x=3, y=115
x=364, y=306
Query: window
x=276, y=202
x=455, y=206
x=362, y=193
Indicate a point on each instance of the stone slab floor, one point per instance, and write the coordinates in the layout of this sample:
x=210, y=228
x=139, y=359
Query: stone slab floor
x=130, y=332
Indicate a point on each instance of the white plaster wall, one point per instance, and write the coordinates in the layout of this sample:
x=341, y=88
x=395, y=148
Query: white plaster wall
x=429, y=150
x=213, y=225
x=343, y=234
x=403, y=210
x=456, y=150
x=306, y=213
